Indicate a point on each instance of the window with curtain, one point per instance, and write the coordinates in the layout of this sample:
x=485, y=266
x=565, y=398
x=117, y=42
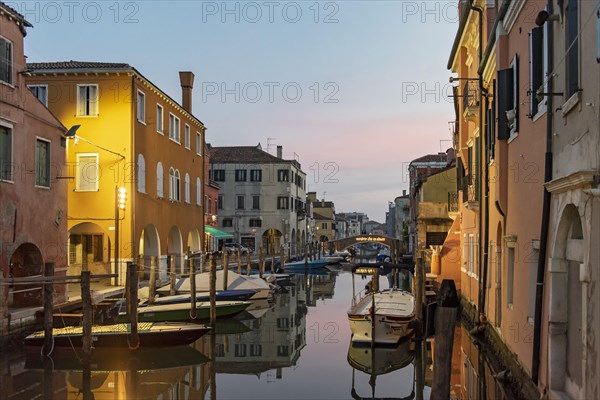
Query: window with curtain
x=87, y=100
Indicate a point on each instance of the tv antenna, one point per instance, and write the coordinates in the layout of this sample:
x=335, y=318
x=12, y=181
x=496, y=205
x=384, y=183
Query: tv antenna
x=270, y=141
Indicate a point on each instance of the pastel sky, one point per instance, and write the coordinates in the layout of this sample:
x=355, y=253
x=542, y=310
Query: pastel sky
x=353, y=89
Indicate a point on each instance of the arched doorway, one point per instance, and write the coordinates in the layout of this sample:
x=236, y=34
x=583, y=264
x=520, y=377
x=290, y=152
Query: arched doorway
x=89, y=249
x=566, y=325
x=149, y=247
x=26, y=261
x=272, y=241
x=175, y=249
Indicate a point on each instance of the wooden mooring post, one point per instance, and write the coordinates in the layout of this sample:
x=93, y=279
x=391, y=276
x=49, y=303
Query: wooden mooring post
x=152, y=282
x=282, y=257
x=213, y=291
x=172, y=275
x=419, y=294
x=86, y=300
x=273, y=262
x=48, y=313
x=239, y=261
x=225, y=268
x=305, y=255
x=445, y=319
x=248, y=264
x=261, y=263
x=132, y=303
x=192, y=269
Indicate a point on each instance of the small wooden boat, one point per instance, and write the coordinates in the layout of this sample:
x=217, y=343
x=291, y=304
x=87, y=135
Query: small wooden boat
x=182, y=311
x=301, y=265
x=222, y=295
x=382, y=317
x=116, y=336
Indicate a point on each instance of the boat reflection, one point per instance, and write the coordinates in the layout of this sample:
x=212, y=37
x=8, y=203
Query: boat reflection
x=375, y=361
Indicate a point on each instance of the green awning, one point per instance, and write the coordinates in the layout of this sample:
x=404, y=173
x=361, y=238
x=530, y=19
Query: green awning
x=217, y=233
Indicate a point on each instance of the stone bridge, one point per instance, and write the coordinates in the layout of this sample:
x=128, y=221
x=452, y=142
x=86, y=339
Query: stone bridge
x=395, y=245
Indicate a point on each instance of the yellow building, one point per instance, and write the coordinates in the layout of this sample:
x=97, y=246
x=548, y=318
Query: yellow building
x=136, y=142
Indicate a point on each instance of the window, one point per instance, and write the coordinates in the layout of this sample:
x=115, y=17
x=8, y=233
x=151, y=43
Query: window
x=471, y=255
x=299, y=180
x=240, y=175
x=85, y=248
x=187, y=188
x=41, y=92
x=241, y=202
x=256, y=175
x=159, y=180
x=537, y=70
x=198, y=192
x=227, y=222
x=87, y=100
x=256, y=350
x=255, y=223
x=283, y=175
x=198, y=143
x=220, y=202
x=174, y=185
x=6, y=61
x=209, y=206
x=240, y=350
x=159, y=119
x=141, y=106
x=6, y=169
x=87, y=175
x=187, y=136
x=324, y=225
x=508, y=100
x=510, y=276
x=42, y=163
x=572, y=48
x=256, y=202
x=174, y=132
x=283, y=203
x=141, y=174
x=219, y=175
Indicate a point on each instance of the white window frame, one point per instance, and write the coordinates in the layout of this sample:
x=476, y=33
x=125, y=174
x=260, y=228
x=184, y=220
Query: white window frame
x=141, y=107
x=199, y=143
x=160, y=179
x=187, y=188
x=78, y=172
x=36, y=87
x=141, y=173
x=160, y=119
x=174, y=128
x=12, y=153
x=174, y=185
x=78, y=114
x=11, y=65
x=187, y=136
x=41, y=139
x=198, y=192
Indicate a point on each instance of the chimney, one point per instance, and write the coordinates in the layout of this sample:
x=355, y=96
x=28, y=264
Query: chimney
x=187, y=84
x=279, y=151
x=404, y=192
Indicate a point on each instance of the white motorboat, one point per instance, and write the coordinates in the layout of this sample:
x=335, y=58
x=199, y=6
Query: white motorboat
x=383, y=316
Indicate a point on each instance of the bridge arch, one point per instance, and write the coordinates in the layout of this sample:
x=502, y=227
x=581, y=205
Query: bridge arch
x=340, y=244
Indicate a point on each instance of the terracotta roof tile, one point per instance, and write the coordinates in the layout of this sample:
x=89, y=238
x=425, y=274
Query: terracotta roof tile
x=76, y=65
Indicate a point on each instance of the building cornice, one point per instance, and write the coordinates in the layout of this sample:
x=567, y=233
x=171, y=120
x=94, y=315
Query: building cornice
x=576, y=180
x=512, y=13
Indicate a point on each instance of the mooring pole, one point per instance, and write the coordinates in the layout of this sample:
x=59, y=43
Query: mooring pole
x=86, y=300
x=48, y=302
x=132, y=284
x=248, y=263
x=225, y=267
x=192, y=268
x=213, y=292
x=152, y=283
x=239, y=261
x=445, y=319
x=172, y=275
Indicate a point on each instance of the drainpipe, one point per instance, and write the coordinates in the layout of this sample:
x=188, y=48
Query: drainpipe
x=539, y=288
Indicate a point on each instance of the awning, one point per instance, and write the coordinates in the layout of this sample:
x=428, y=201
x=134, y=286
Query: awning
x=217, y=233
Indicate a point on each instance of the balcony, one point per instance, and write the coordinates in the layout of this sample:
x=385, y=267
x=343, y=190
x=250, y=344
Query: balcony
x=471, y=100
x=452, y=204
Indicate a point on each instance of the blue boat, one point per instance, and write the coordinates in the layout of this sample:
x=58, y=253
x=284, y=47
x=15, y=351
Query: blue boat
x=301, y=265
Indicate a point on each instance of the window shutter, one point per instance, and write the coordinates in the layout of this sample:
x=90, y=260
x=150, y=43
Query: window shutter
x=536, y=67
x=505, y=77
x=516, y=92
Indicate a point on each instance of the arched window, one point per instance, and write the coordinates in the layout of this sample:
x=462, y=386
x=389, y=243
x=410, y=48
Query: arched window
x=172, y=184
x=198, y=192
x=187, y=188
x=159, y=180
x=141, y=174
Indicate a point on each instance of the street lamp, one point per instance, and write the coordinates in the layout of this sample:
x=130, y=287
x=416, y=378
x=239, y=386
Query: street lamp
x=120, y=199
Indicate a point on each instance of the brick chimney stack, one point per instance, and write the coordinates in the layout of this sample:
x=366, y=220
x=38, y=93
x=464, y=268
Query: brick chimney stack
x=279, y=151
x=187, y=84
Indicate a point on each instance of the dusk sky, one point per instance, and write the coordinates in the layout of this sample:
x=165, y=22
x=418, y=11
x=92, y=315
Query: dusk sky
x=353, y=89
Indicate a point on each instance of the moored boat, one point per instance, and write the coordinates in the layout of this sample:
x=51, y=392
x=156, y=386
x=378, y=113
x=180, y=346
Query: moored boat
x=300, y=265
x=382, y=317
x=183, y=312
x=117, y=335
x=222, y=295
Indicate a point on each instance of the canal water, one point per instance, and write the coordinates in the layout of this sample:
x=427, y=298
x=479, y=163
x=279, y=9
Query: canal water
x=295, y=347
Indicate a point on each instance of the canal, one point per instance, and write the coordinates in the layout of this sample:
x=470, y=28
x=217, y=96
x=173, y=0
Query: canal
x=294, y=347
